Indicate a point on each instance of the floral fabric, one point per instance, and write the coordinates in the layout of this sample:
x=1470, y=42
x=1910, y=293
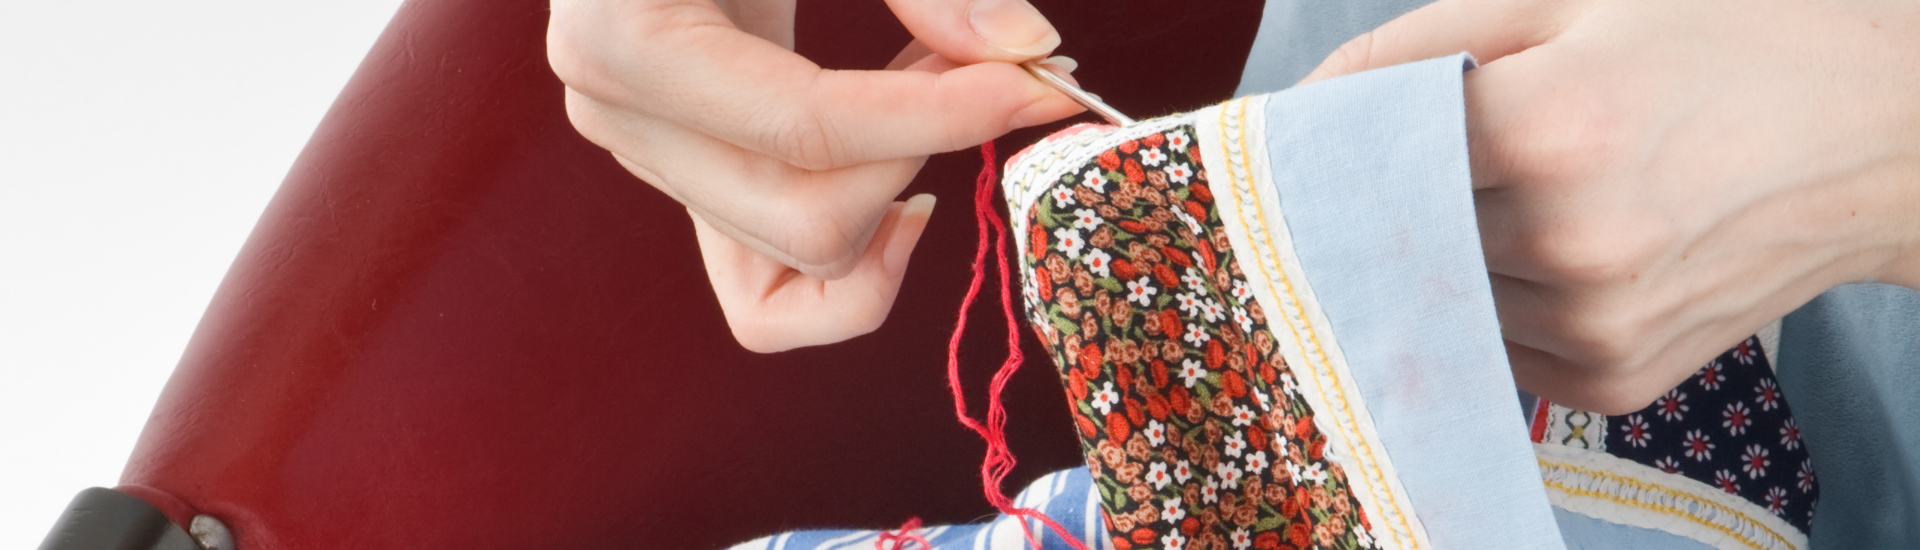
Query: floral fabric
x=1727, y=426
x=1194, y=432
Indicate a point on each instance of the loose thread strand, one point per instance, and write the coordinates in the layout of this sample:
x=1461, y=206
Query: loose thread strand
x=991, y=230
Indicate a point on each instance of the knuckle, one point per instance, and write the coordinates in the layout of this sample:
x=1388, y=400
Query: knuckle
x=1599, y=250
x=1606, y=336
x=1566, y=133
x=805, y=140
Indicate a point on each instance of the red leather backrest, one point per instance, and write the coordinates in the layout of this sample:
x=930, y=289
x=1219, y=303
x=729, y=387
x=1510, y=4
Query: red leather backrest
x=460, y=325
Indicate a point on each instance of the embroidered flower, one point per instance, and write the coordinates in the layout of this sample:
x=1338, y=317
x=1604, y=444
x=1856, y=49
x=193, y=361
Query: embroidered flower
x=1190, y=370
x=1805, y=476
x=1234, y=444
x=1062, y=197
x=1152, y=157
x=1667, y=464
x=1173, y=540
x=1189, y=304
x=1105, y=398
x=1257, y=461
x=1181, y=471
x=1099, y=263
x=1155, y=432
x=1726, y=481
x=1241, y=318
x=1361, y=536
x=1672, y=405
x=1173, y=511
x=1195, y=335
x=1240, y=291
x=1228, y=474
x=1769, y=397
x=1288, y=385
x=1208, y=494
x=1141, y=291
x=1755, y=461
x=1179, y=172
x=1314, y=473
x=1636, y=429
x=1776, y=499
x=1194, y=281
x=1241, y=539
x=1711, y=377
x=1790, y=435
x=1087, y=219
x=1070, y=242
x=1294, y=470
x=1213, y=311
x=1095, y=180
x=1699, y=446
x=1157, y=474
x=1242, y=416
x=1736, y=418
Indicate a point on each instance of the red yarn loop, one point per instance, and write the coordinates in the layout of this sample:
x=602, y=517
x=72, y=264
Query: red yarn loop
x=900, y=537
x=999, y=460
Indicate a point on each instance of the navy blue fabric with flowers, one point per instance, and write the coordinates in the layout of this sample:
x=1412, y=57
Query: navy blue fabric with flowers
x=1727, y=426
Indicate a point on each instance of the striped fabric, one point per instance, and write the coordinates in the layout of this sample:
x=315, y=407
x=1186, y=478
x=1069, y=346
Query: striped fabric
x=1067, y=496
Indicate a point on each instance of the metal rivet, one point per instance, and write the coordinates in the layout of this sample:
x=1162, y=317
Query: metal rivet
x=210, y=533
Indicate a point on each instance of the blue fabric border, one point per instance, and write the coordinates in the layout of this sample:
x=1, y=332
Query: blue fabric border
x=1371, y=172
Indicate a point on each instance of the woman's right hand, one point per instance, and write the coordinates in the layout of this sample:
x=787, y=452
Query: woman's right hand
x=789, y=170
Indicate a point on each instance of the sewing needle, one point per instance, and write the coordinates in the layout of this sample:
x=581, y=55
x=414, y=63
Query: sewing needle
x=1078, y=95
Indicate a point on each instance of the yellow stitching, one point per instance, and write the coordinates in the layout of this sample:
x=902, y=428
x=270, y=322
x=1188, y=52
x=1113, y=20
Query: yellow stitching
x=1658, y=507
x=1346, y=408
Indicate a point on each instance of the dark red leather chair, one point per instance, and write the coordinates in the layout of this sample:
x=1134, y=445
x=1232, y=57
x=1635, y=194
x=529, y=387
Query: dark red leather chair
x=460, y=325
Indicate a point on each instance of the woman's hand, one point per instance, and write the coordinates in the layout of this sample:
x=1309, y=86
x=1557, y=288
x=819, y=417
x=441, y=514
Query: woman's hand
x=790, y=171
x=1655, y=180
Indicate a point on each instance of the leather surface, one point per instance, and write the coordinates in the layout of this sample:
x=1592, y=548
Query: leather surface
x=460, y=325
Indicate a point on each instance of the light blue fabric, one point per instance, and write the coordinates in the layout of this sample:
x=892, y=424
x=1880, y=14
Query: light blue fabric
x=1588, y=533
x=1850, y=366
x=1371, y=174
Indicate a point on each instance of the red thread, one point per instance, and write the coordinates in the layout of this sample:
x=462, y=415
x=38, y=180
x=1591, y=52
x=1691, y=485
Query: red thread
x=999, y=460
x=903, y=535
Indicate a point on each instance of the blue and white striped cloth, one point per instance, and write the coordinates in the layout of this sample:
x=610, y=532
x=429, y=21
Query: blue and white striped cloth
x=1067, y=496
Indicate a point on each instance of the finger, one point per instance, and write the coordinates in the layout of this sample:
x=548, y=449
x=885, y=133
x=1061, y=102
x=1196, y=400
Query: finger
x=972, y=31
x=692, y=67
x=771, y=308
x=816, y=221
x=1489, y=29
x=917, y=57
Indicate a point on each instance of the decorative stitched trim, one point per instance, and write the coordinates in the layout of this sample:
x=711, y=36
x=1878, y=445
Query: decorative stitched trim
x=1770, y=344
x=1257, y=230
x=1029, y=172
x=1621, y=491
x=1575, y=428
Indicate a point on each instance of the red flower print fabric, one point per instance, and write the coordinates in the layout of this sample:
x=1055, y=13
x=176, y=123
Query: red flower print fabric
x=1193, y=430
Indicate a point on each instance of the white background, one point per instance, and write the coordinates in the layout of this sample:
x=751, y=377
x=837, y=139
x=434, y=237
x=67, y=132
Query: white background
x=139, y=141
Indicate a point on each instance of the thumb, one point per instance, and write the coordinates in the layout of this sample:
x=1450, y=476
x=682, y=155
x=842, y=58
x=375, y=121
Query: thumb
x=972, y=31
x=1488, y=29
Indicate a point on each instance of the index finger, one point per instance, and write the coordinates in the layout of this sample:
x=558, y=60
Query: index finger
x=687, y=63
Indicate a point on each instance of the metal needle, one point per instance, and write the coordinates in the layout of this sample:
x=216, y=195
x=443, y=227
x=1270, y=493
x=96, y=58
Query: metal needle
x=1078, y=95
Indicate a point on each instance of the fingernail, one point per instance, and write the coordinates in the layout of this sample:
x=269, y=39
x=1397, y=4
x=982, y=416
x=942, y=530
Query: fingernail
x=1064, y=63
x=1014, y=26
x=918, y=210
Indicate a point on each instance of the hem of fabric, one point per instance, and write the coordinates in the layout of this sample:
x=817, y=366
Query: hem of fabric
x=1280, y=287
x=1614, y=489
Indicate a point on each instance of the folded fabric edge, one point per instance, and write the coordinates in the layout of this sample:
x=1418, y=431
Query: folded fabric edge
x=1341, y=186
